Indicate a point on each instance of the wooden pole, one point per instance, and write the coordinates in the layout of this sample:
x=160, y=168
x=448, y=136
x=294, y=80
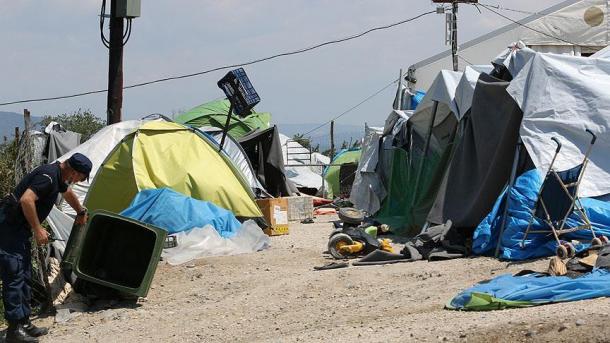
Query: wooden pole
x=26, y=136
x=115, y=67
x=332, y=140
x=454, y=41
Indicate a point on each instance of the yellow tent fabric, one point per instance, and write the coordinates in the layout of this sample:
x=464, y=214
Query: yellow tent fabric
x=162, y=154
x=114, y=185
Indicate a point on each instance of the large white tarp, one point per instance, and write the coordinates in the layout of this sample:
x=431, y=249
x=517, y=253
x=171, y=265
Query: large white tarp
x=603, y=53
x=451, y=93
x=584, y=23
x=515, y=57
x=561, y=96
x=295, y=155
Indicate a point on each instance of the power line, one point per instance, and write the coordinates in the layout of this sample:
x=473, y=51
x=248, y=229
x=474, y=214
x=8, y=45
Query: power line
x=527, y=27
x=465, y=60
x=500, y=7
x=351, y=108
x=295, y=52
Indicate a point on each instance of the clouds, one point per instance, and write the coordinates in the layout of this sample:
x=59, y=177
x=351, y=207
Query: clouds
x=53, y=48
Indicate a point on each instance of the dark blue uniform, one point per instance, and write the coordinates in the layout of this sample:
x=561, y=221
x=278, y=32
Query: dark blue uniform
x=15, y=234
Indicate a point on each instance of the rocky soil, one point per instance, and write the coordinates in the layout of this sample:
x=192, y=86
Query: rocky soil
x=276, y=296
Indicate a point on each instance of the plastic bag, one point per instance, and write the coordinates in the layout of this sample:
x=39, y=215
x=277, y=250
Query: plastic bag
x=204, y=242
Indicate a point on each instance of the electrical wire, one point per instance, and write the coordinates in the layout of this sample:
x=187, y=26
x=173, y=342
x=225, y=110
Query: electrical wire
x=127, y=33
x=523, y=25
x=499, y=7
x=351, y=108
x=105, y=41
x=465, y=60
x=295, y=52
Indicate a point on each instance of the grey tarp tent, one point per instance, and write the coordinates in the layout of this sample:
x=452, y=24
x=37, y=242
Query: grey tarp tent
x=481, y=164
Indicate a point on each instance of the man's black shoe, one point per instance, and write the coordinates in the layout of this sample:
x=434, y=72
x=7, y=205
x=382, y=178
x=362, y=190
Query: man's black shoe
x=17, y=334
x=34, y=331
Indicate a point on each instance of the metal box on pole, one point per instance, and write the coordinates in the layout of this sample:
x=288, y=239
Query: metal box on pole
x=127, y=8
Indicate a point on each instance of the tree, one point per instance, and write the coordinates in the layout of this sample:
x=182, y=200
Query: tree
x=8, y=155
x=301, y=139
x=81, y=121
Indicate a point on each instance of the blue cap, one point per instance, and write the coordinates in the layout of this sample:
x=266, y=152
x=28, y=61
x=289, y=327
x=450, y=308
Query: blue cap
x=80, y=163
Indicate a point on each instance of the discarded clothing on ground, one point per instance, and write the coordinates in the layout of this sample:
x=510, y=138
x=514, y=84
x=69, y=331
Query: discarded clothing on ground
x=434, y=244
x=506, y=291
x=175, y=212
x=522, y=199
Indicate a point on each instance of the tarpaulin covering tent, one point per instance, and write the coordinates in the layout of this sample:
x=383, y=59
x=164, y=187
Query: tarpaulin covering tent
x=481, y=164
x=332, y=172
x=523, y=196
x=422, y=146
x=264, y=151
x=214, y=114
x=151, y=206
x=368, y=189
x=508, y=291
x=183, y=159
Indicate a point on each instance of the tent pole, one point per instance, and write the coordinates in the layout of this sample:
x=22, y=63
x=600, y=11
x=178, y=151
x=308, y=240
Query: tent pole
x=511, y=183
x=399, y=104
x=225, y=130
x=426, y=147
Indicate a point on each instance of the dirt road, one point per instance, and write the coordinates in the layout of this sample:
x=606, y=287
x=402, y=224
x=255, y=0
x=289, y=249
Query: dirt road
x=276, y=296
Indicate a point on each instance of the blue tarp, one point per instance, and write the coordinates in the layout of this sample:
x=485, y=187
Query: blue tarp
x=176, y=212
x=536, y=290
x=416, y=99
x=523, y=197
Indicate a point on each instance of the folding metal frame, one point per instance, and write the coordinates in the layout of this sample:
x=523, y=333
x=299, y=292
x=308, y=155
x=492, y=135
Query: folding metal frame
x=558, y=227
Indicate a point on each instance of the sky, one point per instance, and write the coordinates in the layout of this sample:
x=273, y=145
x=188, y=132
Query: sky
x=53, y=48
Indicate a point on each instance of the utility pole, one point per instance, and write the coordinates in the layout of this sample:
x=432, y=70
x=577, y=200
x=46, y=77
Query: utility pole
x=332, y=140
x=120, y=10
x=454, y=45
x=115, y=67
x=451, y=25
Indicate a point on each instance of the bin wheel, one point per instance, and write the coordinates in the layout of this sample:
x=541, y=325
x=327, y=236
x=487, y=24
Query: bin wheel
x=562, y=252
x=351, y=215
x=596, y=242
x=336, y=242
x=571, y=249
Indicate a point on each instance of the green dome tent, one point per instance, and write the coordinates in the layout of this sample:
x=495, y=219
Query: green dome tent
x=331, y=173
x=214, y=114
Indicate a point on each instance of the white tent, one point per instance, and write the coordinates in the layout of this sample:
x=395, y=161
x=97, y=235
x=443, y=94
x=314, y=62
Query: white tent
x=582, y=22
x=96, y=149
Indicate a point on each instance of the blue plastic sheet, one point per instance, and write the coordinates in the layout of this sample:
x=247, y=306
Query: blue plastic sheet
x=176, y=212
x=522, y=199
x=416, y=99
x=540, y=290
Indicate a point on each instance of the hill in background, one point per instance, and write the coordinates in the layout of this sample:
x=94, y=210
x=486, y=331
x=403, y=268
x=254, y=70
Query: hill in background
x=10, y=120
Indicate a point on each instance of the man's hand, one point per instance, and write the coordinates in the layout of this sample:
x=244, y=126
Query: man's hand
x=81, y=219
x=41, y=235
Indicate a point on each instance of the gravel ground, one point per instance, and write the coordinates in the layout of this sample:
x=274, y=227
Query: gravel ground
x=276, y=296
